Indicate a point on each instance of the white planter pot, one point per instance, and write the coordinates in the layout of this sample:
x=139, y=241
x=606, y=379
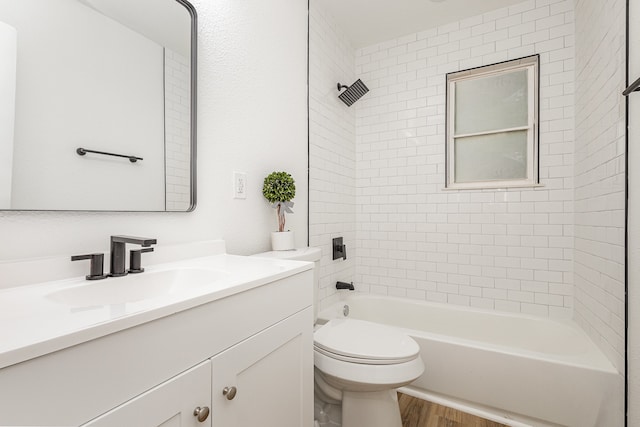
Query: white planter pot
x=282, y=240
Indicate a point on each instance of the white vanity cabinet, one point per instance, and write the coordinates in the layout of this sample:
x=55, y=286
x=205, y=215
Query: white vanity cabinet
x=263, y=381
x=175, y=403
x=258, y=341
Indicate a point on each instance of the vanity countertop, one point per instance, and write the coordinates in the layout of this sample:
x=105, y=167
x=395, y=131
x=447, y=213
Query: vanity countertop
x=38, y=319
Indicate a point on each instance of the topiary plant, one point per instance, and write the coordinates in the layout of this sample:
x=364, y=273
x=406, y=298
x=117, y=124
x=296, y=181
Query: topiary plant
x=279, y=188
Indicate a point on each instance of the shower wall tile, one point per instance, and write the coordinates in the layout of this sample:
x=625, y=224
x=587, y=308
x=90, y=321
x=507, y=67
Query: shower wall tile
x=600, y=175
x=332, y=156
x=507, y=249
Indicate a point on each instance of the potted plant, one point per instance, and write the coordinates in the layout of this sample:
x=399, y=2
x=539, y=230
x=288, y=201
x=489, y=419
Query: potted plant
x=279, y=188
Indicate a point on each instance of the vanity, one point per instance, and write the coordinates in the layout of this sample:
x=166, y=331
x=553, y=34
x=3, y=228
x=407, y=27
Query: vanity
x=234, y=349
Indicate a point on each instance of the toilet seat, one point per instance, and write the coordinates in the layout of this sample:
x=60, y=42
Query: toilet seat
x=361, y=360
x=366, y=377
x=362, y=342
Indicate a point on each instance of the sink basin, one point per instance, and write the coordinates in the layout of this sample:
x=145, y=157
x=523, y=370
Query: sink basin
x=134, y=287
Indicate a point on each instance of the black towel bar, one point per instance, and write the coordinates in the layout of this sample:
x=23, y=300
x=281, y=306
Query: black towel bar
x=82, y=151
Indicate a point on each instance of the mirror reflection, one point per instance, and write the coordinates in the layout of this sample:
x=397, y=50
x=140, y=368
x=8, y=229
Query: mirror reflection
x=112, y=76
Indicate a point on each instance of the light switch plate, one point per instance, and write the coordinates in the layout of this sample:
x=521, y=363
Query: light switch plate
x=239, y=185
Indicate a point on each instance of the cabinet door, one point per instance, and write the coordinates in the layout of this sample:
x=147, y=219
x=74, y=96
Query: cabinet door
x=171, y=404
x=272, y=373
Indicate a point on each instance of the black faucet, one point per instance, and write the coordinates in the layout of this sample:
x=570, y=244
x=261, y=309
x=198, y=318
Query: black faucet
x=118, y=252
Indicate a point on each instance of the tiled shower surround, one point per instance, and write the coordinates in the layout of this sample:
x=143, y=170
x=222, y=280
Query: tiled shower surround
x=510, y=249
x=332, y=135
x=600, y=174
x=499, y=249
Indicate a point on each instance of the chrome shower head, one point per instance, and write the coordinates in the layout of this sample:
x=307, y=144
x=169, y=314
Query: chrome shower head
x=353, y=92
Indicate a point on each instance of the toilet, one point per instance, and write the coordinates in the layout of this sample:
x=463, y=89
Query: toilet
x=362, y=364
x=359, y=364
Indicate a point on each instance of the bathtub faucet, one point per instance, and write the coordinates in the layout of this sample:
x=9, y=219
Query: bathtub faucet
x=343, y=285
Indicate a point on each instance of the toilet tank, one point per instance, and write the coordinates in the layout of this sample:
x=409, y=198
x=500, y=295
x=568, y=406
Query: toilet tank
x=311, y=254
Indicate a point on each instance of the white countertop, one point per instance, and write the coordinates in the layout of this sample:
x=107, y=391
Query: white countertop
x=32, y=324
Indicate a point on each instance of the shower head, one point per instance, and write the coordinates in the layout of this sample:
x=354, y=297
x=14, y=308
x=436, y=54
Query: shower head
x=353, y=92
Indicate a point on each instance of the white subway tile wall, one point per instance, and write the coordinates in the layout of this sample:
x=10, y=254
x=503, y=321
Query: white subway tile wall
x=177, y=131
x=600, y=174
x=506, y=250
x=556, y=250
x=332, y=136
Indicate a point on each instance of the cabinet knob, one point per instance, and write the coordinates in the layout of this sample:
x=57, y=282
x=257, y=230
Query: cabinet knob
x=230, y=392
x=201, y=413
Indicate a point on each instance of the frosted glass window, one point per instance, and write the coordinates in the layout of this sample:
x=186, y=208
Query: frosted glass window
x=495, y=102
x=492, y=157
x=492, y=125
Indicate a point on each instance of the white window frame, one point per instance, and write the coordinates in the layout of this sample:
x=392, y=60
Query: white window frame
x=531, y=64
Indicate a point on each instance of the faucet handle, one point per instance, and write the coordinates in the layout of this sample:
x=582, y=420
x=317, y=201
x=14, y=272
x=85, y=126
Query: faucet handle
x=97, y=265
x=339, y=249
x=135, y=260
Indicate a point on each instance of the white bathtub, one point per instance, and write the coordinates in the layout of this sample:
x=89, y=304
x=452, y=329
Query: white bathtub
x=504, y=366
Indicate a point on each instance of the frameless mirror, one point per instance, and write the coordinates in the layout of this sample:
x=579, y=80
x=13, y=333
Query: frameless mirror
x=97, y=105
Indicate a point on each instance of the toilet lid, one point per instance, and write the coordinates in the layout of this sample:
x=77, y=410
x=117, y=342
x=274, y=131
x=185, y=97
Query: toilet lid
x=364, y=342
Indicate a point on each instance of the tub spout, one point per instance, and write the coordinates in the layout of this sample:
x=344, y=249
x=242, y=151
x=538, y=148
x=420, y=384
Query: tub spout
x=343, y=285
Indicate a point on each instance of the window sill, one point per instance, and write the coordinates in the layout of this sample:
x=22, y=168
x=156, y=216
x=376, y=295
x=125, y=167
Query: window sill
x=492, y=187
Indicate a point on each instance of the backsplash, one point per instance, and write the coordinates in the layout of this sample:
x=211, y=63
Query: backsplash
x=30, y=271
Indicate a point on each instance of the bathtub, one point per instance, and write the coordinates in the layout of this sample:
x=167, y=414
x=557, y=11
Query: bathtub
x=516, y=369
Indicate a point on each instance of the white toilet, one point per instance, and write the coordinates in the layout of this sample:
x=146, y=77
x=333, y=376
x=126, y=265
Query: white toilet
x=359, y=364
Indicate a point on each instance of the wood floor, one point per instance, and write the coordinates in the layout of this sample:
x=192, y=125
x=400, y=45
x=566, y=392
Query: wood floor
x=420, y=413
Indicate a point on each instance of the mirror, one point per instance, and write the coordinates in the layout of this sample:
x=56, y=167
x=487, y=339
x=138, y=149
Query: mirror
x=83, y=79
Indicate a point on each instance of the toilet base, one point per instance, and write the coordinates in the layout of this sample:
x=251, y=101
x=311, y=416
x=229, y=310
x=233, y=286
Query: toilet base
x=371, y=409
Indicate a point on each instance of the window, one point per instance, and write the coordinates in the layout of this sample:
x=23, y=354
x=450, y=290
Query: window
x=492, y=120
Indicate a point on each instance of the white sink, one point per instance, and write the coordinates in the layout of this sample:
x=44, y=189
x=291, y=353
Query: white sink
x=134, y=287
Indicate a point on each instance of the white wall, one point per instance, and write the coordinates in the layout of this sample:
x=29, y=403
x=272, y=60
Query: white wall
x=257, y=93
x=252, y=117
x=600, y=174
x=59, y=108
x=498, y=249
x=8, y=53
x=332, y=150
